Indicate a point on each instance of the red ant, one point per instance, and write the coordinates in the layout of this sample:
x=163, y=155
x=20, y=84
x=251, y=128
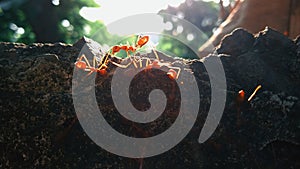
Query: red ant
x=101, y=66
x=141, y=42
x=241, y=101
x=241, y=95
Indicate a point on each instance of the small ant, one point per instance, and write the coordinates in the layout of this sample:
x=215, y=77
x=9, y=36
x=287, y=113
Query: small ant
x=101, y=66
x=241, y=102
x=241, y=95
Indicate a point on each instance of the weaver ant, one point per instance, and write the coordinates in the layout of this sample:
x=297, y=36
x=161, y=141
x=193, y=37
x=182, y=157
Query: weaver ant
x=101, y=66
x=241, y=102
x=241, y=95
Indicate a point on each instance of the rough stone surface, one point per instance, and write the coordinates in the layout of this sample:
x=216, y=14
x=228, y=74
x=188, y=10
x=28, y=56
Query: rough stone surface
x=236, y=43
x=39, y=128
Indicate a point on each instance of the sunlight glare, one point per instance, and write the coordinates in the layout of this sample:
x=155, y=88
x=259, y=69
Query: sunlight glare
x=20, y=31
x=55, y=2
x=180, y=15
x=13, y=26
x=179, y=29
x=225, y=2
x=112, y=10
x=190, y=37
x=169, y=26
x=65, y=23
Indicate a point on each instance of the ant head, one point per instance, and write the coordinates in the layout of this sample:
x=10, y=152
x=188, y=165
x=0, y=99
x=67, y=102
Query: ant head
x=172, y=74
x=80, y=64
x=102, y=71
x=241, y=93
x=142, y=41
x=241, y=96
x=115, y=49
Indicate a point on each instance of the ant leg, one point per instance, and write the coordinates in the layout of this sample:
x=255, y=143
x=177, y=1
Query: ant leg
x=81, y=57
x=178, y=71
x=148, y=62
x=155, y=53
x=136, y=61
x=253, y=94
x=85, y=59
x=103, y=63
x=137, y=39
x=89, y=73
x=141, y=63
x=95, y=62
x=120, y=65
x=133, y=60
x=102, y=66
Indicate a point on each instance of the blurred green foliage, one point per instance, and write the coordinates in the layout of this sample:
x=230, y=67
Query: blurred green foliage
x=31, y=21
